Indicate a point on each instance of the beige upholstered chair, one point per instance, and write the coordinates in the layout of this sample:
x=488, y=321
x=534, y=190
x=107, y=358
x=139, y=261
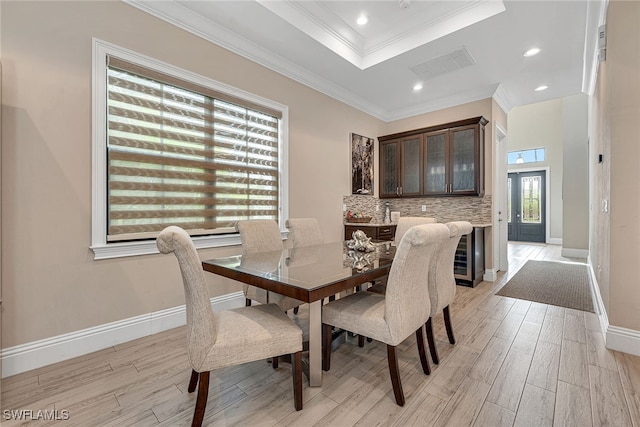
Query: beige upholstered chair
x=304, y=232
x=406, y=222
x=442, y=283
x=226, y=338
x=263, y=235
x=393, y=317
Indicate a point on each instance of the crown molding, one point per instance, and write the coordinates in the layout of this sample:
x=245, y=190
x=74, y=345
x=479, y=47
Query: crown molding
x=181, y=17
x=324, y=26
x=502, y=99
x=442, y=103
x=175, y=14
x=320, y=24
x=392, y=45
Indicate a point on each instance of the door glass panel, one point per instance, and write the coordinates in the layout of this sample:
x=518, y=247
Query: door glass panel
x=434, y=176
x=411, y=166
x=509, y=200
x=531, y=206
x=463, y=160
x=389, y=170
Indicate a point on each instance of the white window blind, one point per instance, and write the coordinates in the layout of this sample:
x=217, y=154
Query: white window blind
x=183, y=154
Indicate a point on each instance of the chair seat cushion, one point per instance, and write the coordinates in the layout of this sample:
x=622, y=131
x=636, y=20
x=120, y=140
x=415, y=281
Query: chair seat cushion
x=361, y=313
x=251, y=333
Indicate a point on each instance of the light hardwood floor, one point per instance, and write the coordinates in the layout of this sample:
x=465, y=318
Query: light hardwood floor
x=516, y=363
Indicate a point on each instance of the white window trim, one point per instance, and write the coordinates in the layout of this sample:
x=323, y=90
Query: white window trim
x=99, y=245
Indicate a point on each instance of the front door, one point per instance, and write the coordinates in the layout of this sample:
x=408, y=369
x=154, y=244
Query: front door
x=526, y=206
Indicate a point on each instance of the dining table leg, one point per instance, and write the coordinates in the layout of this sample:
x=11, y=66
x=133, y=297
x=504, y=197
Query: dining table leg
x=315, y=344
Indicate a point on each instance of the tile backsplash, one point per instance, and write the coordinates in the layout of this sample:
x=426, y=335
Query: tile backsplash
x=476, y=210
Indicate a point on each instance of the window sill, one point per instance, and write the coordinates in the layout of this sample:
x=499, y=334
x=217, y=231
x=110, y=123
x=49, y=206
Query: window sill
x=148, y=247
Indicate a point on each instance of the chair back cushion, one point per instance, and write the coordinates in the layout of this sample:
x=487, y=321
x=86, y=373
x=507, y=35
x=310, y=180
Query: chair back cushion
x=262, y=261
x=201, y=332
x=259, y=235
x=304, y=232
x=442, y=283
x=406, y=222
x=407, y=302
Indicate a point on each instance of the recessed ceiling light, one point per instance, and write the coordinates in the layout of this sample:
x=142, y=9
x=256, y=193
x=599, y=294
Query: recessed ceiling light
x=541, y=87
x=531, y=52
x=417, y=87
x=362, y=20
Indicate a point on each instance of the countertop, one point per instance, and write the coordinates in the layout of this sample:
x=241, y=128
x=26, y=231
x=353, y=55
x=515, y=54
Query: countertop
x=369, y=224
x=381, y=224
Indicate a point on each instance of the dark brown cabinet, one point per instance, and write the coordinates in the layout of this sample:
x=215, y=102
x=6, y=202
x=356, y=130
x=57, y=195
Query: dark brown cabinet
x=443, y=160
x=376, y=232
x=400, y=171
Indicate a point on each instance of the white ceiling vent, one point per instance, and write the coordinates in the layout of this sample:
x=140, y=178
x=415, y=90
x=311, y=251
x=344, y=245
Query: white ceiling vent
x=451, y=61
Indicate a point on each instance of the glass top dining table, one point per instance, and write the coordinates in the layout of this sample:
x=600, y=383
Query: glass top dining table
x=309, y=274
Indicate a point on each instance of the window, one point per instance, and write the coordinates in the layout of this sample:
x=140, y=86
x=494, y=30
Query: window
x=525, y=156
x=531, y=202
x=179, y=149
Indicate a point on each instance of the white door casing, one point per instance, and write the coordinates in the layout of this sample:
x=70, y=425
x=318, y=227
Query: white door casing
x=500, y=258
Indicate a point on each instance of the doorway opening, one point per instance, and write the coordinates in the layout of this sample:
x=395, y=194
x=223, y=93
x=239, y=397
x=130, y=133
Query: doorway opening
x=526, y=206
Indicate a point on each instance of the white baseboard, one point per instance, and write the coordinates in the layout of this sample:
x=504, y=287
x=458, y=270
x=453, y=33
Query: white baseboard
x=490, y=275
x=25, y=357
x=615, y=337
x=554, y=241
x=574, y=253
x=623, y=339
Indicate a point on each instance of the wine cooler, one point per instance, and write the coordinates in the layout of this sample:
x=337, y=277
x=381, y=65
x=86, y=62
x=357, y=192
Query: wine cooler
x=468, y=264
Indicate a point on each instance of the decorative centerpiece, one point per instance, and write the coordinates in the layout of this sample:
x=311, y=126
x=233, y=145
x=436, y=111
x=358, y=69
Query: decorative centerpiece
x=361, y=261
x=357, y=217
x=361, y=242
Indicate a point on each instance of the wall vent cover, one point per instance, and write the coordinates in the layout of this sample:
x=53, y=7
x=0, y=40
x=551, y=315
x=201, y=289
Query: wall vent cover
x=443, y=64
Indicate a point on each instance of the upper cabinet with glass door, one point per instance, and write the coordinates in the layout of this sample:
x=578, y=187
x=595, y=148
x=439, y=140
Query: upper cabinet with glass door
x=401, y=167
x=450, y=162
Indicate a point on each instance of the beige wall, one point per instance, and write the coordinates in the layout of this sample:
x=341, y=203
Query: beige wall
x=0, y=200
x=52, y=285
x=575, y=172
x=599, y=184
x=614, y=240
x=561, y=127
x=536, y=126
